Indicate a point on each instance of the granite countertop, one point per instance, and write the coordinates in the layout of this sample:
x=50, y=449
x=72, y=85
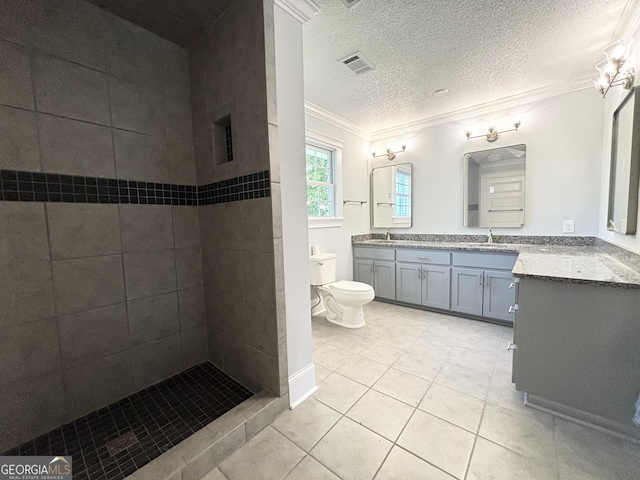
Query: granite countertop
x=591, y=263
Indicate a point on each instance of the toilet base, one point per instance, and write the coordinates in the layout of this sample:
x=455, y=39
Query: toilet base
x=352, y=317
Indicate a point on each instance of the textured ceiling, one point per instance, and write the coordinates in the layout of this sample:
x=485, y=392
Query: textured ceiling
x=176, y=20
x=481, y=50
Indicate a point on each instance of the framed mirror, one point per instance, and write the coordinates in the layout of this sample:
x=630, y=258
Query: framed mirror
x=391, y=196
x=625, y=166
x=494, y=187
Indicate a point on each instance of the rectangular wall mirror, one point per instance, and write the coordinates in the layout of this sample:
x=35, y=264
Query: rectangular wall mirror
x=391, y=196
x=494, y=187
x=625, y=166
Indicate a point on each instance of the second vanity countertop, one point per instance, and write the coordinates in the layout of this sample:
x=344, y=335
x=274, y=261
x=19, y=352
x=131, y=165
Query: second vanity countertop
x=571, y=264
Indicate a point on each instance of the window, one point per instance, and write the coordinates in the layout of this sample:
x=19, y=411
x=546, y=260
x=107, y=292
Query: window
x=324, y=200
x=402, y=194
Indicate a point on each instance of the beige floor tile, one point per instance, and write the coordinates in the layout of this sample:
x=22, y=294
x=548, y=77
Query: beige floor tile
x=435, y=350
x=403, y=386
x=399, y=340
x=478, y=361
x=370, y=331
x=455, y=407
x=381, y=353
x=529, y=433
x=586, y=454
x=401, y=465
x=504, y=394
x=214, y=475
x=493, y=462
x=340, y=393
x=347, y=340
x=321, y=373
x=438, y=442
x=351, y=451
x=307, y=423
x=419, y=365
x=381, y=413
x=310, y=469
x=330, y=356
x=362, y=370
x=463, y=380
x=269, y=453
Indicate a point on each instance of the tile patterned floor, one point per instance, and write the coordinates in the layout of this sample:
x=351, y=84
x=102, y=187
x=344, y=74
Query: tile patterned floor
x=420, y=395
x=161, y=416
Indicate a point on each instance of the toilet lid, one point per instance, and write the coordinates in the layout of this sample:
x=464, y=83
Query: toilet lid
x=347, y=286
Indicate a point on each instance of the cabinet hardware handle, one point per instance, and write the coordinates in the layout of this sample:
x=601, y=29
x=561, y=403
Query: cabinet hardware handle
x=320, y=263
x=513, y=308
x=512, y=285
x=512, y=346
x=419, y=273
x=507, y=210
x=422, y=258
x=481, y=280
x=488, y=282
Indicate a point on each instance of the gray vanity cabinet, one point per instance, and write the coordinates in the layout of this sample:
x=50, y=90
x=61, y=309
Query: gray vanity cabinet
x=363, y=271
x=376, y=267
x=498, y=296
x=436, y=286
x=409, y=283
x=466, y=290
x=423, y=277
x=384, y=279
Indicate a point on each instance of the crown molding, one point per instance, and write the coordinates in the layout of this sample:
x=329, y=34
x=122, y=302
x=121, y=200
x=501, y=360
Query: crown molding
x=333, y=119
x=301, y=10
x=482, y=109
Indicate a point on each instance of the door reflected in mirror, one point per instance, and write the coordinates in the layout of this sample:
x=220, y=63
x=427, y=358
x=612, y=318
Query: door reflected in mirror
x=494, y=187
x=391, y=196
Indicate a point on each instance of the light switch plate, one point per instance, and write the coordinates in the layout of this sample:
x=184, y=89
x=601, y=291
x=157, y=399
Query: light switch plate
x=568, y=226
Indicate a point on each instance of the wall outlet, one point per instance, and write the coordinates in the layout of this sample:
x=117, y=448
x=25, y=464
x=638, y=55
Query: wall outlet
x=568, y=226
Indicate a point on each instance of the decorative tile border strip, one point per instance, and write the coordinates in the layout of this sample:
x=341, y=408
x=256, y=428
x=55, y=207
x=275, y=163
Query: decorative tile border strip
x=19, y=186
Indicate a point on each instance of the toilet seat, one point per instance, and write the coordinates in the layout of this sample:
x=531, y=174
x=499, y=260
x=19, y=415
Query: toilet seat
x=349, y=286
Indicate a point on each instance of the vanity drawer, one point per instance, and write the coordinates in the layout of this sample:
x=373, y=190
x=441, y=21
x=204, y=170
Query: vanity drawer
x=437, y=257
x=374, y=253
x=500, y=261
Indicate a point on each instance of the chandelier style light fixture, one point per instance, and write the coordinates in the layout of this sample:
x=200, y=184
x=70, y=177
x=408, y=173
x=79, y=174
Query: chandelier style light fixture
x=611, y=72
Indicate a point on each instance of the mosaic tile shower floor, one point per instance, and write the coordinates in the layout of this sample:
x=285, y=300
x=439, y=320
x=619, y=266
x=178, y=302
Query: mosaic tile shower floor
x=160, y=416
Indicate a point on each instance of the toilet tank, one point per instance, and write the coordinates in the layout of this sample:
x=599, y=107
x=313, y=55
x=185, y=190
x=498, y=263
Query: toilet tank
x=322, y=268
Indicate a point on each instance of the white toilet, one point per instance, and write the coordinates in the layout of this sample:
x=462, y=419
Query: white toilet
x=343, y=300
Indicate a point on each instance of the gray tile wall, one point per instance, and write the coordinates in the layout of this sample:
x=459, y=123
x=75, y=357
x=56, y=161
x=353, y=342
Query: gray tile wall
x=241, y=241
x=96, y=301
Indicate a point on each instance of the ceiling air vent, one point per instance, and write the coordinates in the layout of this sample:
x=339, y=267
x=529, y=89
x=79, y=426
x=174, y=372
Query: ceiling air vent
x=349, y=3
x=357, y=63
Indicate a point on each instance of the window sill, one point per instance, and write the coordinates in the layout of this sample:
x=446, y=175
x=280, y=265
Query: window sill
x=330, y=222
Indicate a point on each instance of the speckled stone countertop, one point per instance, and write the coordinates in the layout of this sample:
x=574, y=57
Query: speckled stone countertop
x=562, y=259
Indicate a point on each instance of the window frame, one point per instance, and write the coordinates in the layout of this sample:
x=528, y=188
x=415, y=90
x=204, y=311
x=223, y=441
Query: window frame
x=316, y=139
x=401, y=219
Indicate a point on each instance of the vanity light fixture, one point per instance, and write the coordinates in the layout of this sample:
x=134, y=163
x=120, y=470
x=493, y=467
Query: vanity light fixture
x=493, y=134
x=610, y=69
x=390, y=154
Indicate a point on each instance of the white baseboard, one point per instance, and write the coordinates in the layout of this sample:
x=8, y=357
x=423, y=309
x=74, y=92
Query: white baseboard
x=302, y=385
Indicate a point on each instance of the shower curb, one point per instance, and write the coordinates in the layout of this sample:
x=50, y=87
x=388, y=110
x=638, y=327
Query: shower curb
x=206, y=449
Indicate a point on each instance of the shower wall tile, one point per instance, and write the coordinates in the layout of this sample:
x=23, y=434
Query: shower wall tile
x=19, y=140
x=90, y=335
x=24, y=232
x=15, y=76
x=30, y=409
x=261, y=328
x=264, y=369
x=252, y=144
x=75, y=148
x=149, y=273
x=179, y=119
x=223, y=269
x=192, y=308
x=181, y=163
x=155, y=361
x=175, y=62
x=141, y=157
x=137, y=107
x=255, y=217
x=194, y=345
x=70, y=90
x=87, y=283
x=93, y=385
x=28, y=351
x=189, y=267
x=83, y=230
x=186, y=226
x=26, y=292
x=258, y=277
x=146, y=228
x=228, y=309
x=153, y=318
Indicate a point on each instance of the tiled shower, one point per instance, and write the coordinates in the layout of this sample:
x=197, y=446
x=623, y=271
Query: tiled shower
x=130, y=250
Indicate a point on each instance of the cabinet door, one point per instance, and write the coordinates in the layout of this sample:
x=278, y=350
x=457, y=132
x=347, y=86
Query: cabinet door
x=498, y=297
x=436, y=289
x=408, y=282
x=385, y=279
x=364, y=271
x=466, y=290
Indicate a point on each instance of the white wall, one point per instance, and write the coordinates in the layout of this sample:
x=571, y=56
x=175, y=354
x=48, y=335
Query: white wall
x=355, y=155
x=290, y=106
x=611, y=102
x=563, y=135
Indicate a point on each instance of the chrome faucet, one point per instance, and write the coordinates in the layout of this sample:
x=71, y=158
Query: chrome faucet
x=490, y=237
x=387, y=235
